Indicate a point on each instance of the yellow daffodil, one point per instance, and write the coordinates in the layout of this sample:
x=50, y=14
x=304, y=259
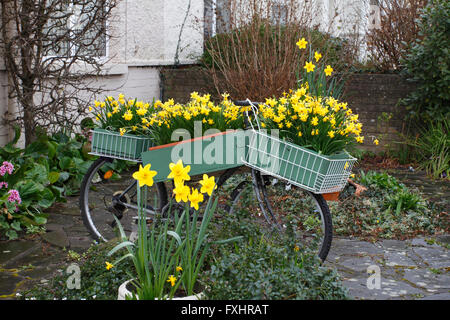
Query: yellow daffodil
x=181, y=192
x=195, y=198
x=122, y=131
x=108, y=265
x=172, y=279
x=315, y=121
x=328, y=70
x=331, y=134
x=178, y=269
x=178, y=172
x=208, y=184
x=309, y=66
x=144, y=176
x=302, y=43
x=317, y=55
x=128, y=115
x=376, y=141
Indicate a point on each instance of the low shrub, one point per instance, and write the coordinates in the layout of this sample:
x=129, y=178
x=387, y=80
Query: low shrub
x=97, y=282
x=265, y=264
x=261, y=269
x=386, y=210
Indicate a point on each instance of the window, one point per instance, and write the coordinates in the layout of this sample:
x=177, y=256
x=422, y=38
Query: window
x=75, y=28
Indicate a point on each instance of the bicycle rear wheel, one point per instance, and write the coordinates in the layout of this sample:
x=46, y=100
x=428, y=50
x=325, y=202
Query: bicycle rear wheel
x=105, y=193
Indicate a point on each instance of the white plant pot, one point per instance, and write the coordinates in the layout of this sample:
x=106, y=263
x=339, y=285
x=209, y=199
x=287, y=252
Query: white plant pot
x=123, y=292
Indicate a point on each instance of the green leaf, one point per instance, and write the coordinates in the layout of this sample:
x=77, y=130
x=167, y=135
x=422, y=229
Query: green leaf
x=63, y=176
x=40, y=220
x=30, y=188
x=66, y=163
x=16, y=225
x=11, y=234
x=53, y=176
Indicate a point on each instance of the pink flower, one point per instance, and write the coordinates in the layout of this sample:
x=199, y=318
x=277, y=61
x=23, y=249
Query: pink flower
x=6, y=167
x=14, y=196
x=5, y=184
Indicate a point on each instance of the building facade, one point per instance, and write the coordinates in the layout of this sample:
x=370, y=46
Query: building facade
x=150, y=34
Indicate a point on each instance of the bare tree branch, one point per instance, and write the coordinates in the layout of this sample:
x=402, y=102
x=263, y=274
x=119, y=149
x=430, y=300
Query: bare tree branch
x=54, y=50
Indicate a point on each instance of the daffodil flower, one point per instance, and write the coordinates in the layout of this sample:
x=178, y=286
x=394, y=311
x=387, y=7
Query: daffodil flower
x=302, y=43
x=208, y=184
x=144, y=176
x=195, y=198
x=309, y=66
x=317, y=55
x=109, y=265
x=178, y=172
x=172, y=280
x=181, y=192
x=328, y=70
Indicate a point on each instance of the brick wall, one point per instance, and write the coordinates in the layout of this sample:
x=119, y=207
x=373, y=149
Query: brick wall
x=369, y=95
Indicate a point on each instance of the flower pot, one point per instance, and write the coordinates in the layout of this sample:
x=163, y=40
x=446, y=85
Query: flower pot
x=204, y=154
x=113, y=145
x=298, y=165
x=123, y=292
x=333, y=196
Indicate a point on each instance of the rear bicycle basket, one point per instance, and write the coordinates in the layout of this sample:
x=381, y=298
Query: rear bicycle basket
x=297, y=165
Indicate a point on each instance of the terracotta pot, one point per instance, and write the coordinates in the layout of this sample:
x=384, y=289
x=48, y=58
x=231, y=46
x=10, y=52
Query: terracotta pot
x=331, y=196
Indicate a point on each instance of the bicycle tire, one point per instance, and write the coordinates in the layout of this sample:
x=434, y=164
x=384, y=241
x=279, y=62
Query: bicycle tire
x=85, y=210
x=268, y=209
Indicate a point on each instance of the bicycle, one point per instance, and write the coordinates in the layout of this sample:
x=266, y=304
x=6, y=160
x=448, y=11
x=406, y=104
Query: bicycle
x=101, y=197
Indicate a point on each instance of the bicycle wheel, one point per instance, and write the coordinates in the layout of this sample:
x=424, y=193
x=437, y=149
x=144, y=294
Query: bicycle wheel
x=105, y=193
x=287, y=209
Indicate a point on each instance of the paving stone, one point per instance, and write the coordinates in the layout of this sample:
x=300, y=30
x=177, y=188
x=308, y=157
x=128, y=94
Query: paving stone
x=434, y=257
x=9, y=283
x=398, y=258
x=395, y=244
x=440, y=296
x=57, y=238
x=10, y=249
x=358, y=265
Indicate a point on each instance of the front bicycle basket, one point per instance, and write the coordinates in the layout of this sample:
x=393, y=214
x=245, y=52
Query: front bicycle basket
x=113, y=145
x=299, y=166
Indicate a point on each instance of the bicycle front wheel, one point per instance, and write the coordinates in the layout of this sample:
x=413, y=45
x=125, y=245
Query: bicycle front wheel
x=106, y=192
x=288, y=209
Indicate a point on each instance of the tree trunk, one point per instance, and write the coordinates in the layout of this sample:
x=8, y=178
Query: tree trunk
x=29, y=121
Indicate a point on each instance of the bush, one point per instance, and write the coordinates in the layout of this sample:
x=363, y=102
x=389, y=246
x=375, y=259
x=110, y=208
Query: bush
x=96, y=281
x=263, y=270
x=398, y=29
x=265, y=265
x=44, y=172
x=258, y=57
x=427, y=64
x=388, y=209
